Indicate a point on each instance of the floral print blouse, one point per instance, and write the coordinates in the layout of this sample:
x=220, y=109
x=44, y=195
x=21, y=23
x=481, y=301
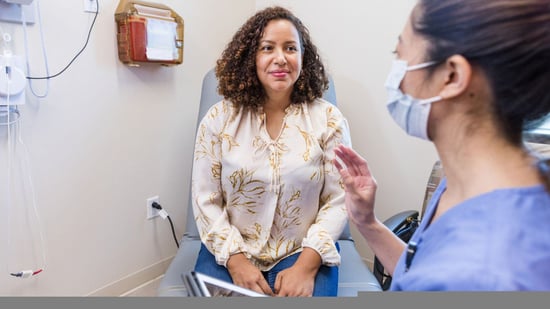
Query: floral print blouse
x=269, y=198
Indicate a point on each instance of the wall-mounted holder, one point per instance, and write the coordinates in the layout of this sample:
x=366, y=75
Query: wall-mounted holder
x=148, y=33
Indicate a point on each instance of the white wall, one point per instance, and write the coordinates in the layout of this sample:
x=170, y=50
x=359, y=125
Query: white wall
x=109, y=136
x=356, y=38
x=106, y=138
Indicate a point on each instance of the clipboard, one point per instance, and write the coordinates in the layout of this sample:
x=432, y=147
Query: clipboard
x=201, y=285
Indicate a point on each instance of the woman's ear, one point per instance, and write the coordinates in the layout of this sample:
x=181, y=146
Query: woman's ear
x=458, y=75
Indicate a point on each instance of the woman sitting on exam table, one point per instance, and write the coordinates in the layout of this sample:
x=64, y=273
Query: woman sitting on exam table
x=470, y=76
x=268, y=202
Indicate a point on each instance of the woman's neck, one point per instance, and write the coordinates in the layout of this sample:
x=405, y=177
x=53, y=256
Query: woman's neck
x=277, y=101
x=481, y=163
x=276, y=104
x=476, y=166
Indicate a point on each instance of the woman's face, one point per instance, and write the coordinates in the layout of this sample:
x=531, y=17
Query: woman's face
x=279, y=57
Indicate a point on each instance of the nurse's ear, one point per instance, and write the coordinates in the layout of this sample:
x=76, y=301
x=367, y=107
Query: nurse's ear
x=457, y=75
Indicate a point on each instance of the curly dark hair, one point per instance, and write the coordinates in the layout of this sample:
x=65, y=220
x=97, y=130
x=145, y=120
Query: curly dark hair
x=236, y=68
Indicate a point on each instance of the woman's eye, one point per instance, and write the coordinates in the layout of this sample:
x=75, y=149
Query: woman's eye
x=266, y=48
x=292, y=48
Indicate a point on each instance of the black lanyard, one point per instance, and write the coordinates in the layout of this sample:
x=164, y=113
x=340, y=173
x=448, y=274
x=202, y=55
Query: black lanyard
x=411, y=251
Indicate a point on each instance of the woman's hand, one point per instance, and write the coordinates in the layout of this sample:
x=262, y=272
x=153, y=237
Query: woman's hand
x=359, y=184
x=246, y=275
x=299, y=279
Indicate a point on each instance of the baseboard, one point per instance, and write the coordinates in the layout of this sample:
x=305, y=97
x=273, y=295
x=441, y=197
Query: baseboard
x=147, y=289
x=130, y=282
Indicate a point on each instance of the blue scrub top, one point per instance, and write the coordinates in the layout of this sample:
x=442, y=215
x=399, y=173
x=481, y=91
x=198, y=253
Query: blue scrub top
x=497, y=241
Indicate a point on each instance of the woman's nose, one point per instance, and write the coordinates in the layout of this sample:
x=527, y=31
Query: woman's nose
x=280, y=58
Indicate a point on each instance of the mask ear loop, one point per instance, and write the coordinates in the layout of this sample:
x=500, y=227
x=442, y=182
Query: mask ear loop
x=420, y=65
x=430, y=100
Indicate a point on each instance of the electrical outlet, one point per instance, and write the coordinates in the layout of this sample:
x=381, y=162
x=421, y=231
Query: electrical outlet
x=152, y=212
x=90, y=6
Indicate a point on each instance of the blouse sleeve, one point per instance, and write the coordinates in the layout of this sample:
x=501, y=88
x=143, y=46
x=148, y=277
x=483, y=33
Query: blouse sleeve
x=332, y=216
x=216, y=233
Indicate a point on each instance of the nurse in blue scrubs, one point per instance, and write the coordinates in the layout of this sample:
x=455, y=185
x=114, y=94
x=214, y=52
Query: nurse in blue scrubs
x=470, y=76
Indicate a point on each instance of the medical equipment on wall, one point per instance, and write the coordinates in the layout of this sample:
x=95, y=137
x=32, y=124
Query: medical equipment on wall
x=11, y=10
x=21, y=218
x=12, y=80
x=20, y=212
x=148, y=33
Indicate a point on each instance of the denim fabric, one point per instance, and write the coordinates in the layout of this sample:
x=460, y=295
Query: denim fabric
x=326, y=281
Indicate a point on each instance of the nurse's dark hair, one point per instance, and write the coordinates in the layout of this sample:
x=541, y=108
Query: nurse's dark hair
x=236, y=68
x=509, y=41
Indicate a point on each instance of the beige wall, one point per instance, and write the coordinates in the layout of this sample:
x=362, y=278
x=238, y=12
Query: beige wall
x=108, y=136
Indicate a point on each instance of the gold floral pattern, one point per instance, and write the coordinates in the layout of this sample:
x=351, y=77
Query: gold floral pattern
x=246, y=190
x=269, y=198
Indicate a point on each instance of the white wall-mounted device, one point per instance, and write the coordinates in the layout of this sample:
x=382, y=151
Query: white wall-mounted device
x=10, y=10
x=12, y=80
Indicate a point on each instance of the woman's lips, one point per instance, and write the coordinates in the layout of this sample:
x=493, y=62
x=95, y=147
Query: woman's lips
x=279, y=74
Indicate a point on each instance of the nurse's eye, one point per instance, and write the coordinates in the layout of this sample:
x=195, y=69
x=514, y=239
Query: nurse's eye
x=395, y=53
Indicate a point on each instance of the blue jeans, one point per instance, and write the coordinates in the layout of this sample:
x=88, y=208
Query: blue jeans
x=326, y=281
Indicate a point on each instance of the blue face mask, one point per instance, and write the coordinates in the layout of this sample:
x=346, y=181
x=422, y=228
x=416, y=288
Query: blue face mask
x=409, y=113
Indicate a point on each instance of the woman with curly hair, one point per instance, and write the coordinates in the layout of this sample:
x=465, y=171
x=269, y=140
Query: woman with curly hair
x=268, y=203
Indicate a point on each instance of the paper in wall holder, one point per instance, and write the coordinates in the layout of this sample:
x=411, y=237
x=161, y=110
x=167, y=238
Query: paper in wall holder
x=148, y=33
